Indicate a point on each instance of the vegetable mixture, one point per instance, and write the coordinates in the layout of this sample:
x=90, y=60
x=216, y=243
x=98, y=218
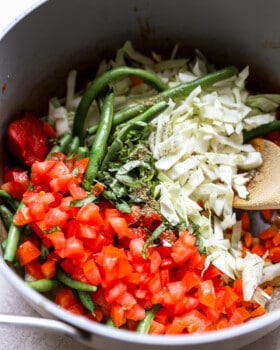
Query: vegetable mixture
x=118, y=204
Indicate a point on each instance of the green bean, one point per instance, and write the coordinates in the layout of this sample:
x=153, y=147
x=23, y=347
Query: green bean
x=87, y=301
x=99, y=84
x=122, y=116
x=73, y=146
x=145, y=117
x=6, y=216
x=74, y=284
x=134, y=123
x=43, y=285
x=14, y=234
x=261, y=130
x=144, y=325
x=9, y=199
x=99, y=145
x=178, y=91
x=153, y=237
x=82, y=152
x=110, y=323
x=186, y=88
x=60, y=145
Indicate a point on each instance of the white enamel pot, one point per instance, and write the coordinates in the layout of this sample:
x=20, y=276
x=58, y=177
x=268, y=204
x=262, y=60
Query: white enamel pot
x=41, y=47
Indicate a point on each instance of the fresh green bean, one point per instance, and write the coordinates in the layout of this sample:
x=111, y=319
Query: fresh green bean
x=99, y=84
x=112, y=152
x=145, y=117
x=82, y=152
x=144, y=325
x=6, y=216
x=13, y=237
x=178, y=91
x=99, y=145
x=134, y=123
x=153, y=237
x=186, y=88
x=110, y=323
x=87, y=301
x=60, y=145
x=9, y=199
x=122, y=116
x=73, y=145
x=74, y=284
x=43, y=285
x=261, y=130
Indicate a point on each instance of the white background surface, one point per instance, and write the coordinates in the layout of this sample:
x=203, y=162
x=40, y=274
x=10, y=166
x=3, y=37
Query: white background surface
x=10, y=300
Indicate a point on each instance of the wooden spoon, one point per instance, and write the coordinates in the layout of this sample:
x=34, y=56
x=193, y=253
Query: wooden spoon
x=264, y=188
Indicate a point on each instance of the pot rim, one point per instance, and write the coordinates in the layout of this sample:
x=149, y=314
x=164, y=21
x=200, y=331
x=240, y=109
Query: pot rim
x=28, y=9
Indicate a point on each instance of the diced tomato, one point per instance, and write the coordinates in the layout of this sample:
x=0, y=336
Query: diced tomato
x=27, y=252
x=120, y=226
x=206, y=293
x=55, y=217
x=74, y=248
x=65, y=298
x=16, y=182
x=58, y=239
x=89, y=214
x=118, y=315
x=33, y=268
x=92, y=272
x=49, y=269
x=136, y=313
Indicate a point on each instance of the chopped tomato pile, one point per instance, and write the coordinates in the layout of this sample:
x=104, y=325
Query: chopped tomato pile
x=94, y=243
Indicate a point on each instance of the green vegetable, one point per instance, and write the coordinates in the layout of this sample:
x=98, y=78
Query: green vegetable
x=122, y=116
x=43, y=285
x=60, y=145
x=99, y=145
x=144, y=325
x=87, y=301
x=153, y=237
x=73, y=146
x=14, y=234
x=261, y=130
x=207, y=80
x=100, y=83
x=74, y=284
x=9, y=199
x=6, y=216
x=136, y=123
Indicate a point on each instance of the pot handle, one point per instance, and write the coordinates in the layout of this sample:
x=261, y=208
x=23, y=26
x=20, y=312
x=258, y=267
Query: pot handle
x=49, y=325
